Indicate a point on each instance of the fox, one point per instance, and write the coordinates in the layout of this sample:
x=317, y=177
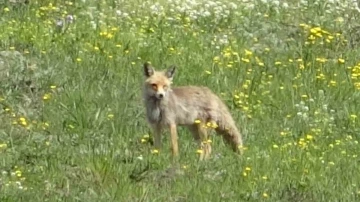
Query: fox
x=193, y=107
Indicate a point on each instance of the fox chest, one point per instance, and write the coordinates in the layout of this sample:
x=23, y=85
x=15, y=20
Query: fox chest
x=154, y=115
x=158, y=115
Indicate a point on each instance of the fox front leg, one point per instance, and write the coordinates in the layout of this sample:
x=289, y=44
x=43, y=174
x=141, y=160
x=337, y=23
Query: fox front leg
x=157, y=137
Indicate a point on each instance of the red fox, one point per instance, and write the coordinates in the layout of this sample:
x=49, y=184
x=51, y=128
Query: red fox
x=195, y=107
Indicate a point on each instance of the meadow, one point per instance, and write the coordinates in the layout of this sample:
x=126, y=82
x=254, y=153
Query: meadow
x=72, y=121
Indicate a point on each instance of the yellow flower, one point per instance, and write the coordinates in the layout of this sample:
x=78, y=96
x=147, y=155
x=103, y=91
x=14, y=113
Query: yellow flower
x=197, y=121
x=207, y=72
x=309, y=137
x=2, y=146
x=248, y=169
x=265, y=195
x=52, y=87
x=154, y=151
x=315, y=30
x=245, y=60
x=22, y=121
x=78, y=59
x=321, y=60
x=216, y=59
x=248, y=53
x=6, y=9
x=341, y=61
x=110, y=116
x=18, y=173
x=275, y=146
x=199, y=151
x=47, y=96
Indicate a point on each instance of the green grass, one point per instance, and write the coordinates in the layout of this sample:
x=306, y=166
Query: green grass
x=72, y=119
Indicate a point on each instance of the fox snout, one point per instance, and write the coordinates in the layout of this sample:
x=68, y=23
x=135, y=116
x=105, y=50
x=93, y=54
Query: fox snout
x=160, y=92
x=160, y=95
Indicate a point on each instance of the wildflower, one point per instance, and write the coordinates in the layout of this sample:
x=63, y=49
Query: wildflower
x=47, y=96
x=275, y=146
x=315, y=30
x=110, y=116
x=248, y=169
x=78, y=59
x=333, y=83
x=197, y=121
x=143, y=140
x=321, y=60
x=265, y=195
x=245, y=60
x=3, y=146
x=52, y=87
x=248, y=53
x=277, y=63
x=22, y=121
x=309, y=137
x=207, y=72
x=264, y=177
x=18, y=173
x=6, y=9
x=341, y=61
x=154, y=151
x=199, y=151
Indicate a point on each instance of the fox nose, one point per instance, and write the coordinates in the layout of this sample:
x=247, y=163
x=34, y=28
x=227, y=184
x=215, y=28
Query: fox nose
x=161, y=95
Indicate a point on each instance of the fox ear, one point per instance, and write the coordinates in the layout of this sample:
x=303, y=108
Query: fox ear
x=148, y=69
x=170, y=72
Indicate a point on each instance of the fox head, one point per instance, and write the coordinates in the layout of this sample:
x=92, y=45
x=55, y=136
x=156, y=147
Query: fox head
x=157, y=83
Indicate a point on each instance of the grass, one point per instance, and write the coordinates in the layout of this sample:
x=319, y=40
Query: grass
x=72, y=121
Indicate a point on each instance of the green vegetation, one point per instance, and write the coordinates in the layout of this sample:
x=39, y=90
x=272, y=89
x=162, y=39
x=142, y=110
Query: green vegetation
x=72, y=122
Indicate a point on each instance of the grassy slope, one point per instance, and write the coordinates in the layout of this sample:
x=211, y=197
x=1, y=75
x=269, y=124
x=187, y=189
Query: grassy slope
x=289, y=75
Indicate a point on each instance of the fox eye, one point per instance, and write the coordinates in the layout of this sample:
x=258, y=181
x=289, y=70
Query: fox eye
x=154, y=86
x=165, y=87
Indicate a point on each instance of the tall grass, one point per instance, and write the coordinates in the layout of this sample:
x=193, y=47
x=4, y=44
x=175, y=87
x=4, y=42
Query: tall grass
x=72, y=120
